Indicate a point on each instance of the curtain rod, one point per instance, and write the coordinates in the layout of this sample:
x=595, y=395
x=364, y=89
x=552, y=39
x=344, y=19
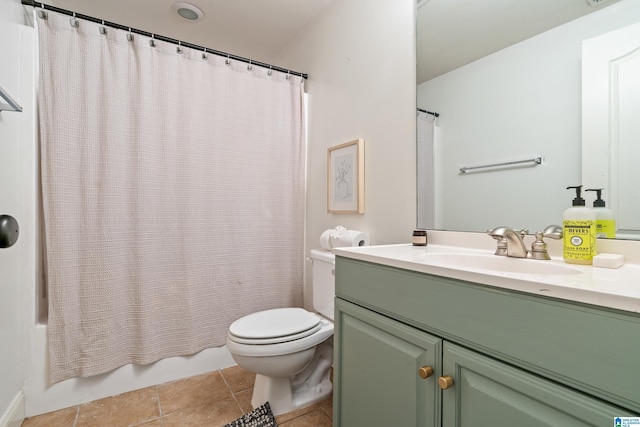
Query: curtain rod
x=162, y=38
x=428, y=112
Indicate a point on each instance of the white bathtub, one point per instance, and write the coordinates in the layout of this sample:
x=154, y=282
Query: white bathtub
x=40, y=398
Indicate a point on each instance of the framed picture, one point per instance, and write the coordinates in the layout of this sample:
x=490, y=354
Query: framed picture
x=345, y=178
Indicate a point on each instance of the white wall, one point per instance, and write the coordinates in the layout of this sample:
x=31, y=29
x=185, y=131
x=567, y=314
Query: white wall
x=360, y=56
x=520, y=102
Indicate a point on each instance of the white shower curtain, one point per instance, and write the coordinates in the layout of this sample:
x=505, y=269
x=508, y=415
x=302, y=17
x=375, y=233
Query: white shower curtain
x=173, y=195
x=426, y=185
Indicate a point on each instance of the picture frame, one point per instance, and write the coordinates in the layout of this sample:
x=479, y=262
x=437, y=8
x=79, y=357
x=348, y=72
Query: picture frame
x=345, y=178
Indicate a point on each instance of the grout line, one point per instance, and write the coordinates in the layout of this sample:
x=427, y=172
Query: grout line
x=75, y=420
x=160, y=413
x=233, y=395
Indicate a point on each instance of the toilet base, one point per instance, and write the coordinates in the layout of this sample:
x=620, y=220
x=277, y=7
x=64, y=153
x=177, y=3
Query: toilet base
x=288, y=394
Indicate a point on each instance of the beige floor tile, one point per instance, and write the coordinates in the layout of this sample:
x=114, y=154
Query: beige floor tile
x=239, y=379
x=123, y=410
x=215, y=414
x=244, y=400
x=327, y=407
x=302, y=411
x=315, y=418
x=196, y=391
x=62, y=418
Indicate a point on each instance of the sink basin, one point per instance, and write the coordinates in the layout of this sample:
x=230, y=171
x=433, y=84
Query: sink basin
x=497, y=263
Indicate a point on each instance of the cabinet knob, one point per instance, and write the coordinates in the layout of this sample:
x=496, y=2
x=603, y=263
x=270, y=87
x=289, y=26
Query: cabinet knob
x=425, y=372
x=445, y=382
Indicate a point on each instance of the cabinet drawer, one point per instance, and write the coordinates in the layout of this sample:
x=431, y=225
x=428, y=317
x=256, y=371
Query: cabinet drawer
x=593, y=350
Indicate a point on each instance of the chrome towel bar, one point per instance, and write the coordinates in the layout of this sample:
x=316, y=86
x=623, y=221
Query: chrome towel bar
x=10, y=105
x=536, y=160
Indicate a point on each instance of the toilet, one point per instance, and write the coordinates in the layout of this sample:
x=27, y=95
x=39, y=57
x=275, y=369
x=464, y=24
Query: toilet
x=290, y=349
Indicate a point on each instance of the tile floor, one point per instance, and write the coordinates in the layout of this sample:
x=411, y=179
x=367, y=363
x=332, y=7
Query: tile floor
x=212, y=399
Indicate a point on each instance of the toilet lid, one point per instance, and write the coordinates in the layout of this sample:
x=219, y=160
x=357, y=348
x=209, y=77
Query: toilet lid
x=279, y=322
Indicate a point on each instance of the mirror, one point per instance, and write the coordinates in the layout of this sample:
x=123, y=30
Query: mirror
x=506, y=100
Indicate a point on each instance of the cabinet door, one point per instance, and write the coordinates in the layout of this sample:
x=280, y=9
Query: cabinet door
x=486, y=392
x=377, y=371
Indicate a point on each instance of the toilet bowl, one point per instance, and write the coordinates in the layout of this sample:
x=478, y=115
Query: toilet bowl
x=289, y=349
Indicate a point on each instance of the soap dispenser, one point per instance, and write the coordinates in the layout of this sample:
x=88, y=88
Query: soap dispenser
x=578, y=231
x=605, y=219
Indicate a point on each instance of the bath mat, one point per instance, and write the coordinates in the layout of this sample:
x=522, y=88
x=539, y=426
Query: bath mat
x=259, y=417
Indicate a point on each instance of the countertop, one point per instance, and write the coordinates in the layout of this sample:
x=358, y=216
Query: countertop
x=613, y=288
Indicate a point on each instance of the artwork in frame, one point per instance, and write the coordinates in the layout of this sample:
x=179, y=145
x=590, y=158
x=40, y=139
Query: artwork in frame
x=345, y=178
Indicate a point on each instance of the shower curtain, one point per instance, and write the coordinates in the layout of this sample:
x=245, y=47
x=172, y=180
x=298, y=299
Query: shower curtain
x=173, y=195
x=426, y=171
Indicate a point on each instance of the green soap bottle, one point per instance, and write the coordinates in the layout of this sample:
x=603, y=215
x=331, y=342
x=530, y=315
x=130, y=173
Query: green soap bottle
x=605, y=219
x=578, y=231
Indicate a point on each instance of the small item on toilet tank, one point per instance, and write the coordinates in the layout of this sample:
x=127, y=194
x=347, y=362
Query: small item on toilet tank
x=419, y=238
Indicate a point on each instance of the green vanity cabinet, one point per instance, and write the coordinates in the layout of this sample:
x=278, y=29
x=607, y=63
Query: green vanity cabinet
x=386, y=372
x=497, y=357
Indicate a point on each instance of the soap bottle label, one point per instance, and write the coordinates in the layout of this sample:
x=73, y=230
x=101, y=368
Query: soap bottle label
x=606, y=228
x=579, y=240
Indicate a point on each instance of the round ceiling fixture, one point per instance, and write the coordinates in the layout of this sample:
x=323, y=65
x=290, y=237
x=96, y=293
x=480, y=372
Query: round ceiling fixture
x=188, y=11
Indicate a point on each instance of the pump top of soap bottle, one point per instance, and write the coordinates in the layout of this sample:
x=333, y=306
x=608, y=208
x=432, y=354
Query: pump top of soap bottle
x=578, y=231
x=598, y=202
x=578, y=201
x=605, y=219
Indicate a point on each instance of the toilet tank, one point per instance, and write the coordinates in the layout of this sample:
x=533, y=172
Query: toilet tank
x=323, y=281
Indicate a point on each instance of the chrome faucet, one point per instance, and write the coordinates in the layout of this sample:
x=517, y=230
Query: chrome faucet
x=510, y=241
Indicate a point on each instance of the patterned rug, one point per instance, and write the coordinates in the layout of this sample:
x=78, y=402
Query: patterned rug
x=259, y=417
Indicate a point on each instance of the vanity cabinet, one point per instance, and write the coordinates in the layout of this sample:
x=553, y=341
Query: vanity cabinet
x=488, y=356
x=386, y=371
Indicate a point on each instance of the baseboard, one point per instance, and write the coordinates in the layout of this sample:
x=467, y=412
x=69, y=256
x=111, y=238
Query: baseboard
x=14, y=415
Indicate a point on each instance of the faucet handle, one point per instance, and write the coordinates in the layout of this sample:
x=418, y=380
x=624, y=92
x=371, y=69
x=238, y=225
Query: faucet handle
x=498, y=233
x=553, y=232
x=539, y=247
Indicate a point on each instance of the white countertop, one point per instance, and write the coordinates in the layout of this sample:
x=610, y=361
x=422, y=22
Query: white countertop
x=614, y=288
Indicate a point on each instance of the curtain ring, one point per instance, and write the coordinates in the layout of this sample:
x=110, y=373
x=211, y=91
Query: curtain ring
x=288, y=74
x=228, y=60
x=103, y=29
x=42, y=14
x=74, y=22
x=152, y=41
x=130, y=35
x=179, y=48
x=204, y=54
x=249, y=67
x=270, y=71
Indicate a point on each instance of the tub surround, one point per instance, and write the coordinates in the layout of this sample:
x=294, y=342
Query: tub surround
x=604, y=287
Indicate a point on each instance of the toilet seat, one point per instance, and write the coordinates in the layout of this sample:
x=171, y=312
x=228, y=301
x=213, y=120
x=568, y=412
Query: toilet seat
x=272, y=345
x=274, y=326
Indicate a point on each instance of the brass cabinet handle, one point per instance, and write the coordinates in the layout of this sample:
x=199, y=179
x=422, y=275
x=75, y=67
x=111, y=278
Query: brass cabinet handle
x=445, y=382
x=425, y=372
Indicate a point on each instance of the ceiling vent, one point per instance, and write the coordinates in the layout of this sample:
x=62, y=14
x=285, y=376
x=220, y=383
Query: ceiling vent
x=187, y=11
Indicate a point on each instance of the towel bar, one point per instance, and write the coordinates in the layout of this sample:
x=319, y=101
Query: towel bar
x=10, y=105
x=536, y=160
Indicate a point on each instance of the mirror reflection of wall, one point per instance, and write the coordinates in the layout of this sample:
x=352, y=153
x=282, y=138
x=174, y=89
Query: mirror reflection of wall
x=521, y=102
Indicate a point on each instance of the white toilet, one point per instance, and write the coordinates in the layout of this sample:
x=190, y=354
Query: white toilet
x=290, y=349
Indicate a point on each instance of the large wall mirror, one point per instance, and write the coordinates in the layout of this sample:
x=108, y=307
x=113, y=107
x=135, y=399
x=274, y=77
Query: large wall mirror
x=506, y=80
